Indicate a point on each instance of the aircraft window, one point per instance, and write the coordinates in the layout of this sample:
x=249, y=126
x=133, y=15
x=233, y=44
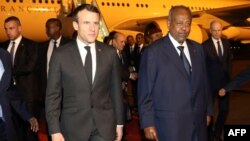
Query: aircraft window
x=46, y=1
x=108, y=3
x=58, y=1
x=113, y=4
x=103, y=3
x=14, y=0
x=7, y=0
x=123, y=4
x=128, y=5
x=40, y=1
x=142, y=5
x=52, y=1
x=118, y=4
x=34, y=1
x=147, y=5
x=137, y=5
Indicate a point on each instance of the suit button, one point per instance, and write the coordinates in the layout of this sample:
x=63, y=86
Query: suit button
x=92, y=106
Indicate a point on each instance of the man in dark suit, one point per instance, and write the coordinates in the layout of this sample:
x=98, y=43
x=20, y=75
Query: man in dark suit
x=218, y=61
x=173, y=97
x=8, y=100
x=238, y=80
x=53, y=31
x=45, y=50
x=24, y=58
x=119, y=43
x=88, y=72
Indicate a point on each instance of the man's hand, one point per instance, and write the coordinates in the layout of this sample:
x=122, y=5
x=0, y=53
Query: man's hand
x=209, y=119
x=222, y=92
x=133, y=76
x=119, y=133
x=34, y=126
x=57, y=137
x=150, y=133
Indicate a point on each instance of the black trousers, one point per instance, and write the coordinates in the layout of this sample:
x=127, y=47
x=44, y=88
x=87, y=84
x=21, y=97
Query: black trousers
x=3, y=136
x=223, y=108
x=95, y=135
x=215, y=130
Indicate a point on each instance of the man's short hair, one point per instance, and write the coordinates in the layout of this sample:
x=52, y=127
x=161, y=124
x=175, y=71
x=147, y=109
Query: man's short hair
x=12, y=18
x=177, y=7
x=82, y=7
x=54, y=20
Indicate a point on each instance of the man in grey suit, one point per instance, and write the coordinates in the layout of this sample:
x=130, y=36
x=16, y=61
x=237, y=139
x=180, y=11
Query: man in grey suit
x=173, y=98
x=83, y=97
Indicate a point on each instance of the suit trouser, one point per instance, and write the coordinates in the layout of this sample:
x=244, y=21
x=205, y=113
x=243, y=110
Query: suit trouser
x=223, y=108
x=23, y=127
x=3, y=136
x=95, y=135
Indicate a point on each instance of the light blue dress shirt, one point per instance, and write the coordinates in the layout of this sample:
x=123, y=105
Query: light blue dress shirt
x=1, y=74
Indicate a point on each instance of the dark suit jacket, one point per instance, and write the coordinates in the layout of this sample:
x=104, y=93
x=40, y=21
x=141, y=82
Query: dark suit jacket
x=130, y=56
x=81, y=103
x=24, y=70
x=167, y=98
x=9, y=98
x=124, y=67
x=138, y=54
x=218, y=70
x=42, y=66
x=240, y=79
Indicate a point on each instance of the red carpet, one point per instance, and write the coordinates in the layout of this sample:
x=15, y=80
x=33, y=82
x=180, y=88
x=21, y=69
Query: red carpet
x=133, y=132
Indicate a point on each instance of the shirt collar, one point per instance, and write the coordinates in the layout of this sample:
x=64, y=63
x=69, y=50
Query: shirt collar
x=17, y=40
x=175, y=43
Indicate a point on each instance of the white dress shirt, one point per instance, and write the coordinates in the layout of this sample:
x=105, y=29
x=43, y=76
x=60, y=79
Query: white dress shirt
x=50, y=50
x=17, y=42
x=83, y=54
x=216, y=45
x=185, y=49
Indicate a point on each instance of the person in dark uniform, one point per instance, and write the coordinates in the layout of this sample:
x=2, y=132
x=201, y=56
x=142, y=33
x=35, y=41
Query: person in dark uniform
x=9, y=99
x=24, y=55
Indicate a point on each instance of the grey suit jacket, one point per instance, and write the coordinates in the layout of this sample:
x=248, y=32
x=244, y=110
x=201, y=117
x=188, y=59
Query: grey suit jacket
x=73, y=111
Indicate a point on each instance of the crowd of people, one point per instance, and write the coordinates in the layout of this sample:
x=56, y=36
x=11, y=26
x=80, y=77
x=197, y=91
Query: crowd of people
x=79, y=86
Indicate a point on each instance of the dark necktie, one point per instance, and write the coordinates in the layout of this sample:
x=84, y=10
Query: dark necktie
x=184, y=60
x=88, y=64
x=219, y=50
x=54, y=47
x=12, y=51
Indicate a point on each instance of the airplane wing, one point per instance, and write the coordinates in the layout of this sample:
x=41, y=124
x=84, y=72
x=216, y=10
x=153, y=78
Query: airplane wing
x=229, y=16
x=235, y=15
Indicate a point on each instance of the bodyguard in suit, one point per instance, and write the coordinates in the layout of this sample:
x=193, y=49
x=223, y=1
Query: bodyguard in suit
x=90, y=106
x=238, y=80
x=53, y=31
x=173, y=97
x=45, y=50
x=8, y=100
x=24, y=58
x=218, y=61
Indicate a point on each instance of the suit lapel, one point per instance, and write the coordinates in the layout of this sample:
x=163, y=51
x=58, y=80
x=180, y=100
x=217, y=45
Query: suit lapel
x=98, y=57
x=213, y=49
x=174, y=56
x=77, y=60
x=194, y=60
x=19, y=51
